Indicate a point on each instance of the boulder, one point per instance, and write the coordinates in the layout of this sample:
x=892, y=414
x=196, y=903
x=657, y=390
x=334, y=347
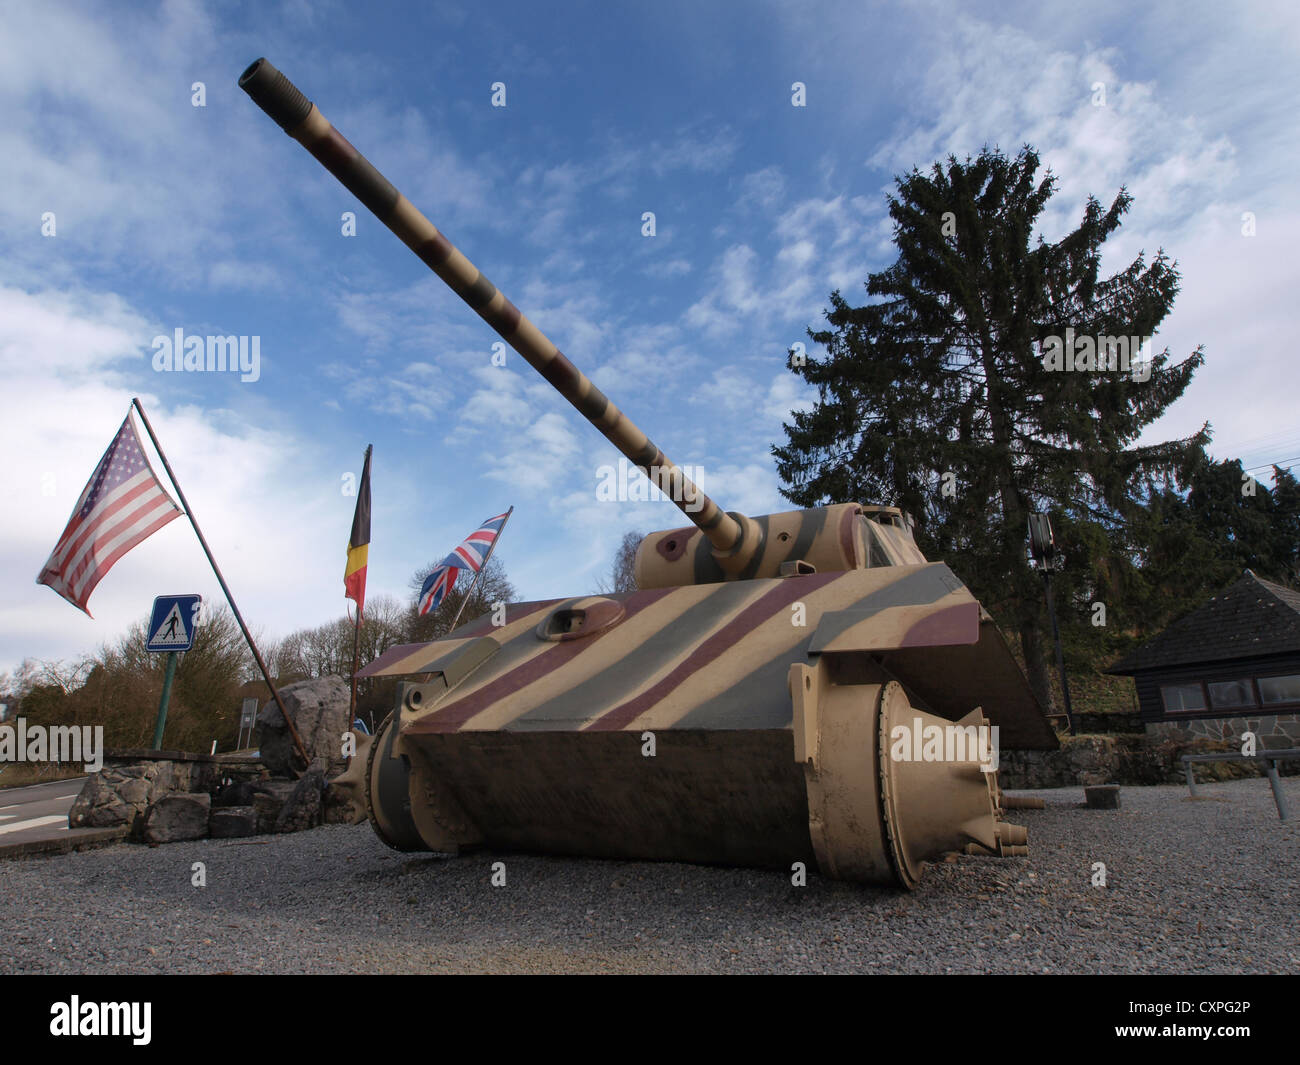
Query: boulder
x=177, y=817
x=120, y=795
x=320, y=711
x=231, y=822
x=100, y=806
x=302, y=809
x=340, y=807
x=269, y=798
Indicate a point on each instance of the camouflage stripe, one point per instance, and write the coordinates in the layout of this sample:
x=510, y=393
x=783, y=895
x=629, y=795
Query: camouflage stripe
x=403, y=660
x=743, y=705
x=355, y=172
x=647, y=657
x=751, y=570
x=913, y=586
x=810, y=525
x=515, y=612
x=848, y=521
x=775, y=598
x=705, y=566
x=537, y=660
x=740, y=670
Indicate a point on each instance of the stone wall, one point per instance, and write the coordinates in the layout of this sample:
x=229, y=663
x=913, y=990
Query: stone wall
x=134, y=782
x=1128, y=759
x=1271, y=730
x=164, y=796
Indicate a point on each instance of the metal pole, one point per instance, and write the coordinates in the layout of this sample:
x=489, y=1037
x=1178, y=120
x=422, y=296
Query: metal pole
x=356, y=658
x=162, y=703
x=483, y=568
x=1276, y=785
x=1060, y=654
x=356, y=629
x=257, y=655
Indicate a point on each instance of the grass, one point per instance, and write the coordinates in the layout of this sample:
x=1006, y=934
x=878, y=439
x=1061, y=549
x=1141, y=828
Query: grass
x=25, y=774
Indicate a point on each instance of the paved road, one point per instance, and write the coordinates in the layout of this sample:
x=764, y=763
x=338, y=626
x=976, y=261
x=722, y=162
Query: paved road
x=38, y=813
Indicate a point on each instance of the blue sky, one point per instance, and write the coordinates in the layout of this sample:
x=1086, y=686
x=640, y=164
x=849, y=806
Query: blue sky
x=210, y=220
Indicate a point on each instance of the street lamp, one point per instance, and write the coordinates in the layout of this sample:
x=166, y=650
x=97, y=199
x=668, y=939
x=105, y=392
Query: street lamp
x=1045, y=556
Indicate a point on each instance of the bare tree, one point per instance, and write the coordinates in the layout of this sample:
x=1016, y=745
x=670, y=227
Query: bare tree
x=622, y=574
x=493, y=587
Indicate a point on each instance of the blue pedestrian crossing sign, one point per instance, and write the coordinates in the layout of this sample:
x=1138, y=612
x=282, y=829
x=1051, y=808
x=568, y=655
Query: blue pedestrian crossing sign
x=172, y=625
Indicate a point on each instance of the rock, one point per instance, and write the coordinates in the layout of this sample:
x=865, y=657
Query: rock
x=231, y=822
x=320, y=712
x=269, y=798
x=267, y=809
x=341, y=808
x=1102, y=797
x=100, y=806
x=302, y=809
x=136, y=792
x=120, y=795
x=177, y=817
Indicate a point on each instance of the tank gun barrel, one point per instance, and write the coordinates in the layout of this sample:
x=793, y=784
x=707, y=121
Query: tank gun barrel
x=302, y=121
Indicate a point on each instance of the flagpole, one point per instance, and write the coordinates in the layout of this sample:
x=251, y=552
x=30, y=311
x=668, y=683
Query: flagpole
x=356, y=629
x=257, y=655
x=483, y=568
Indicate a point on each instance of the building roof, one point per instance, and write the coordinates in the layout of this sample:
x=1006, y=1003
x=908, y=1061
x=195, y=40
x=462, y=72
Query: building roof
x=1249, y=618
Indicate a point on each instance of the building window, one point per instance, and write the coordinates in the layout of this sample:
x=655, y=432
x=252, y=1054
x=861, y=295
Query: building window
x=1182, y=697
x=1274, y=690
x=1231, y=695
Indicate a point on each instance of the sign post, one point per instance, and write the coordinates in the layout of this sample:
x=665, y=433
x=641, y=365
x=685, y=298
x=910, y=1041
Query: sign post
x=171, y=629
x=247, y=720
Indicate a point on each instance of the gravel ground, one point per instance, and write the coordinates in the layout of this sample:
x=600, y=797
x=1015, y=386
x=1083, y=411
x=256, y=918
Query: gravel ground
x=1193, y=886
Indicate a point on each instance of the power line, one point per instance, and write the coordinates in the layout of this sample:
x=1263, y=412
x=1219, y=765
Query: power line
x=1294, y=458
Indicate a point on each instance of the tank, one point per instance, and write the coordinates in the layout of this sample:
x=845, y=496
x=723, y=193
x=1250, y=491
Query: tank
x=802, y=687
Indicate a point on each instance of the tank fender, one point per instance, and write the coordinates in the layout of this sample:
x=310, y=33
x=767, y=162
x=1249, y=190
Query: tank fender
x=954, y=619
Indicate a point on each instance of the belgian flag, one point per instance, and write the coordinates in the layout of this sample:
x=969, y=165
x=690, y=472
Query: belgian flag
x=354, y=574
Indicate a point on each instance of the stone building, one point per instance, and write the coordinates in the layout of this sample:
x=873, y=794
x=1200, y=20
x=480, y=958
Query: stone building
x=1230, y=666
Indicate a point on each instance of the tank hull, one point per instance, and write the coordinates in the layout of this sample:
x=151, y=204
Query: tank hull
x=743, y=723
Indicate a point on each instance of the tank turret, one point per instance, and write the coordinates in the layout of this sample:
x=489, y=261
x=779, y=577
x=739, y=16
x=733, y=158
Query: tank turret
x=796, y=687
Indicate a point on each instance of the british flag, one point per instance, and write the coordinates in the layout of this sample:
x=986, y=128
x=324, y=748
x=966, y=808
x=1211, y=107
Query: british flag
x=470, y=555
x=122, y=504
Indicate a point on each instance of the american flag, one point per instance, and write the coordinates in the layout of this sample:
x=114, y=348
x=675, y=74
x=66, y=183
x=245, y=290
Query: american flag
x=121, y=505
x=469, y=555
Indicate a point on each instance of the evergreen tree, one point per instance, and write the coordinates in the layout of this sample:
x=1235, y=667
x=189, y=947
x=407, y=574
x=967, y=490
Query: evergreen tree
x=941, y=394
x=1193, y=545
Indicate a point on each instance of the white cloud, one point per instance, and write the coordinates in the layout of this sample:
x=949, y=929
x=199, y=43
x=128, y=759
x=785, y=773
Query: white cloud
x=269, y=510
x=763, y=189
x=662, y=270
